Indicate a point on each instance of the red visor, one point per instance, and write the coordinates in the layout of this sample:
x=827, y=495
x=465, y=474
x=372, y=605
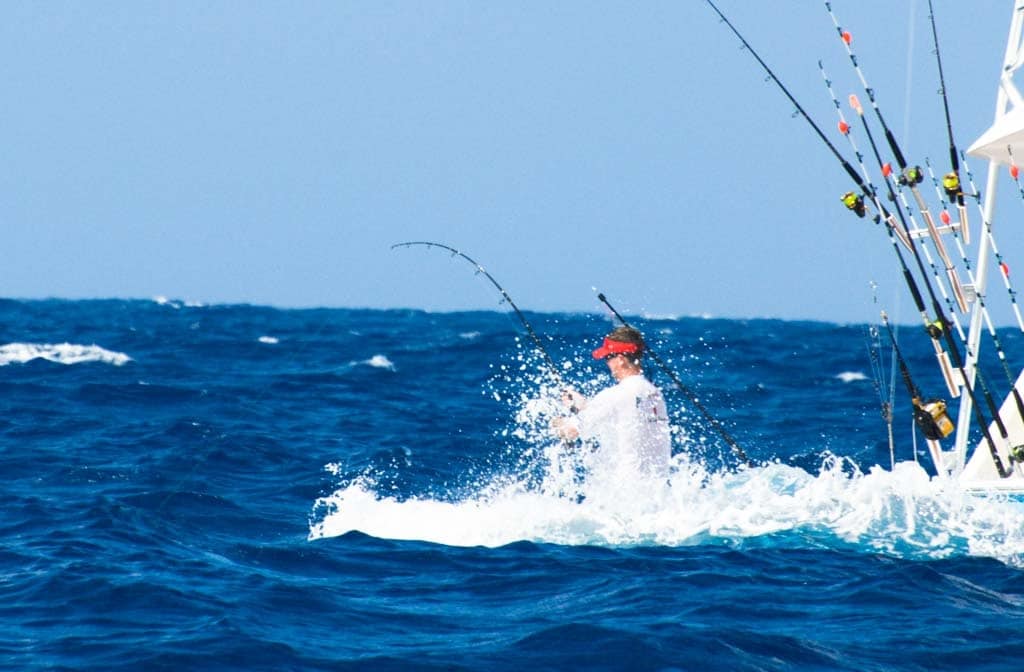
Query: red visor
x=610, y=347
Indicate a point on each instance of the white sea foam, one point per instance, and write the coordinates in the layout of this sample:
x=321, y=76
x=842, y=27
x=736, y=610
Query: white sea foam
x=269, y=340
x=903, y=513
x=851, y=376
x=164, y=301
x=380, y=362
x=470, y=335
x=177, y=304
x=62, y=353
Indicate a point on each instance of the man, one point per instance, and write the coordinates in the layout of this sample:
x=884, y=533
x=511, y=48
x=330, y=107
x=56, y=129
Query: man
x=628, y=421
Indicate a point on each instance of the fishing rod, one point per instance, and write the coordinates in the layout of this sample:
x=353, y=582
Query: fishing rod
x=951, y=181
x=930, y=415
x=873, y=345
x=847, y=39
x=910, y=176
x=855, y=202
x=1004, y=269
x=1014, y=171
x=885, y=392
x=895, y=229
x=771, y=75
x=980, y=298
x=505, y=299
x=852, y=200
x=947, y=220
x=714, y=422
x=844, y=128
x=942, y=324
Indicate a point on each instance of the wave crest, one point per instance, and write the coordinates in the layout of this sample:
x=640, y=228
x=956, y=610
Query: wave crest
x=61, y=353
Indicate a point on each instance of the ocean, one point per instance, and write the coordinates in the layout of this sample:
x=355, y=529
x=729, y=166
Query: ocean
x=213, y=487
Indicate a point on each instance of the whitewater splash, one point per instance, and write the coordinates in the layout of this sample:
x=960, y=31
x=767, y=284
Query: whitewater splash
x=62, y=353
x=903, y=513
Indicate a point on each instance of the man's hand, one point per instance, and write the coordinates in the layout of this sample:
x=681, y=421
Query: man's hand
x=565, y=428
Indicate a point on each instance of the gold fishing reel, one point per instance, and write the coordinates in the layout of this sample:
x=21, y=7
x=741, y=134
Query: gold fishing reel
x=933, y=420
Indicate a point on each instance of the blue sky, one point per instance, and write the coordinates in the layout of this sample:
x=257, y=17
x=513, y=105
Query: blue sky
x=273, y=152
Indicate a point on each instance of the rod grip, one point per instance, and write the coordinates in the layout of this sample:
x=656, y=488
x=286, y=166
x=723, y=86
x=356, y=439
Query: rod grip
x=918, y=301
x=895, y=149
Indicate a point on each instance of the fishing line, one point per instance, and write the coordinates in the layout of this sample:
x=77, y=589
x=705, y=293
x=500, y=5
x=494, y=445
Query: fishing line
x=505, y=299
x=714, y=422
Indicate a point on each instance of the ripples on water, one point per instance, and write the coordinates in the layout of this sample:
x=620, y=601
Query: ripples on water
x=210, y=487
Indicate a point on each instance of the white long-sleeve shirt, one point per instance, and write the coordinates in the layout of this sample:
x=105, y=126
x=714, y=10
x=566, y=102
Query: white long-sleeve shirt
x=629, y=421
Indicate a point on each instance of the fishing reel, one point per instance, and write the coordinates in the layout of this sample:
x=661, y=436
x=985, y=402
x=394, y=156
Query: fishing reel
x=934, y=329
x=933, y=420
x=1017, y=454
x=855, y=202
x=951, y=183
x=911, y=176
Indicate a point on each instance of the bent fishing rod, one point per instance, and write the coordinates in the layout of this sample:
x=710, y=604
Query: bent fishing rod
x=504, y=295
x=714, y=422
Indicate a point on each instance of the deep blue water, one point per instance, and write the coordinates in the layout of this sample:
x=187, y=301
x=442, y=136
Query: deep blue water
x=237, y=487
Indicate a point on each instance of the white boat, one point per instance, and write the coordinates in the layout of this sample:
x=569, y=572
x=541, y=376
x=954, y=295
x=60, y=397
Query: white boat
x=975, y=466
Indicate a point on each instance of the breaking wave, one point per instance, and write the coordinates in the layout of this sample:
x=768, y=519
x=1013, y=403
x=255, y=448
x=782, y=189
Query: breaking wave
x=61, y=353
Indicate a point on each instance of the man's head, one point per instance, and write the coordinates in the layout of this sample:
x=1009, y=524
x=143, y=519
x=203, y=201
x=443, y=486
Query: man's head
x=624, y=342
